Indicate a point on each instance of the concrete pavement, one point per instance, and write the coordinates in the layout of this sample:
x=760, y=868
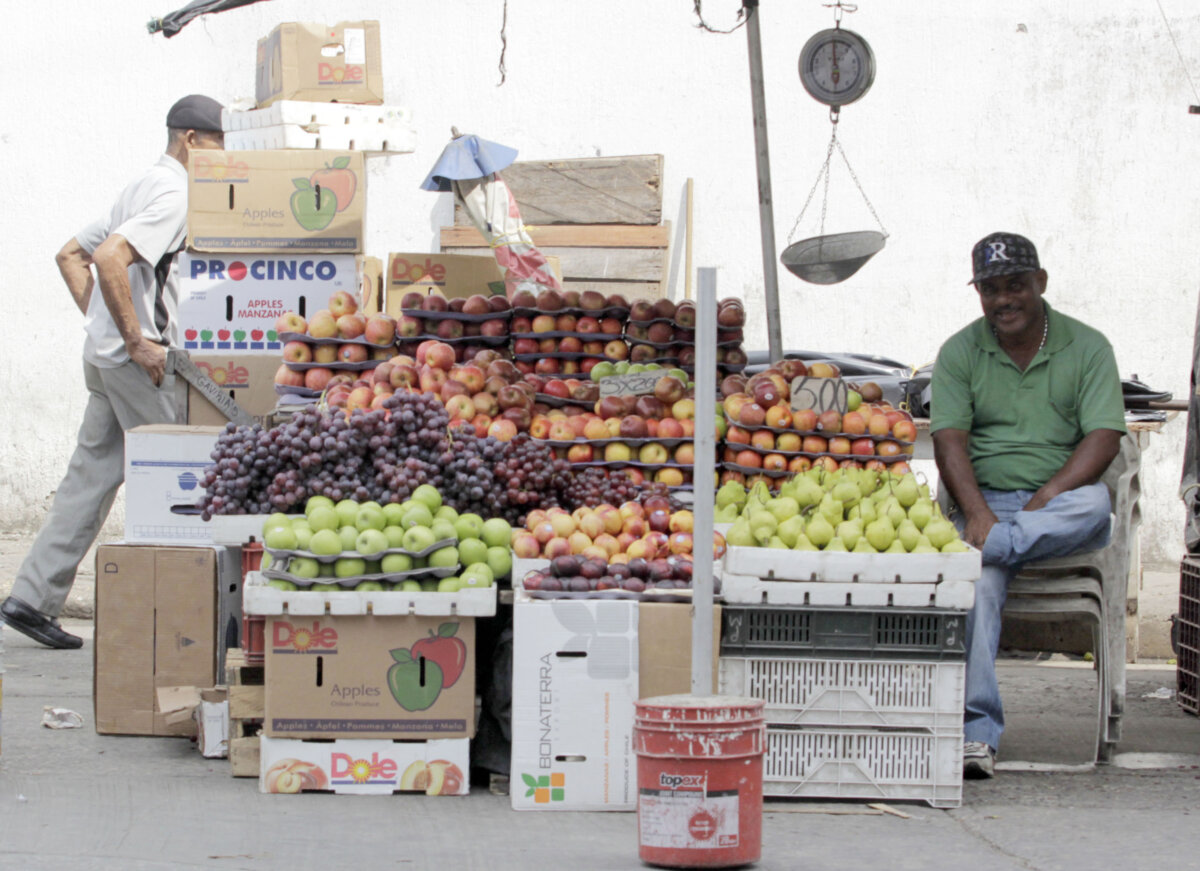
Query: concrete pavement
x=77, y=800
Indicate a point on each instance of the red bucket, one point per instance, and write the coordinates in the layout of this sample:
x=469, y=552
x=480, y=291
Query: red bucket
x=700, y=776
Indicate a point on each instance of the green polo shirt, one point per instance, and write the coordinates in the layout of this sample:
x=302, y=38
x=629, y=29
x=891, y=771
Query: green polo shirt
x=1024, y=425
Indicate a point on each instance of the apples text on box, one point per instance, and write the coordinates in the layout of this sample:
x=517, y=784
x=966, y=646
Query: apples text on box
x=819, y=394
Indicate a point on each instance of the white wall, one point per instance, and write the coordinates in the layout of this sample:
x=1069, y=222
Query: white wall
x=1066, y=121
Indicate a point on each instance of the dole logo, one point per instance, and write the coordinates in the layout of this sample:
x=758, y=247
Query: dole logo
x=343, y=766
x=288, y=638
x=406, y=272
x=331, y=74
x=206, y=168
x=229, y=375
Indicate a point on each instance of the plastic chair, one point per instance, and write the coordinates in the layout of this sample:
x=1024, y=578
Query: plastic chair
x=1091, y=587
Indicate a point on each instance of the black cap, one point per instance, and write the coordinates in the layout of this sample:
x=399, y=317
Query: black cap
x=196, y=112
x=1002, y=254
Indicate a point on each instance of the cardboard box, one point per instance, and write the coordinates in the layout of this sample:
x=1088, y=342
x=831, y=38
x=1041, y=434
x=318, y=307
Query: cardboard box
x=329, y=63
x=364, y=767
x=454, y=275
x=229, y=303
x=207, y=710
x=371, y=275
x=575, y=679
x=248, y=379
x=164, y=465
x=370, y=677
x=665, y=648
x=272, y=201
x=158, y=619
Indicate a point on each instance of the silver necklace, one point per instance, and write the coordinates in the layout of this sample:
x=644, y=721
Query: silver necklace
x=1045, y=332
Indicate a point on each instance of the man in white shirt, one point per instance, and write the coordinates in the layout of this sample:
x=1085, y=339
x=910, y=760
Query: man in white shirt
x=130, y=325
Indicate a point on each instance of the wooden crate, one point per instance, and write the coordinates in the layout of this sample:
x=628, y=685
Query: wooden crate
x=246, y=694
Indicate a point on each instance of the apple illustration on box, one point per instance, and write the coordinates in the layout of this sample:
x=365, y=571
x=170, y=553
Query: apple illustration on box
x=448, y=652
x=318, y=198
x=445, y=658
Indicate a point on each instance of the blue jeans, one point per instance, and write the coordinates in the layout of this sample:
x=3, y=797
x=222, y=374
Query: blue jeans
x=1075, y=521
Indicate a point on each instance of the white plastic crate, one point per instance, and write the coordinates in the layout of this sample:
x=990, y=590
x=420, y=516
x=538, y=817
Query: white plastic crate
x=748, y=590
x=864, y=764
x=234, y=530
x=790, y=565
x=392, y=138
x=258, y=598
x=849, y=692
x=311, y=114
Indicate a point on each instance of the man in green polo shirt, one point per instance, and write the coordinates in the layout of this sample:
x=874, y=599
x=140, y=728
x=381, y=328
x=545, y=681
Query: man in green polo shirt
x=1027, y=414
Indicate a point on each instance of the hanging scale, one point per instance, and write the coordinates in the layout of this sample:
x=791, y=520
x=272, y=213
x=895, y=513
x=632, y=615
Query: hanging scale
x=836, y=68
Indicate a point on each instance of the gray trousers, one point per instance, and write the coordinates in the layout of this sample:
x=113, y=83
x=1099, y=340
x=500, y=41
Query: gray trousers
x=121, y=398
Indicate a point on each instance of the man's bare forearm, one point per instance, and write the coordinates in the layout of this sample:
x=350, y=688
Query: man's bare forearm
x=74, y=265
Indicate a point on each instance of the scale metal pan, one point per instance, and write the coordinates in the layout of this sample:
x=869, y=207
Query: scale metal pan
x=834, y=258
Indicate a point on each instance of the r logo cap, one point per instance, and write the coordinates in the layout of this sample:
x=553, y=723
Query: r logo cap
x=1002, y=254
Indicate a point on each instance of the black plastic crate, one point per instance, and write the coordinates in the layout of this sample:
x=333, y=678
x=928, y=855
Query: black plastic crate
x=864, y=633
x=1188, y=623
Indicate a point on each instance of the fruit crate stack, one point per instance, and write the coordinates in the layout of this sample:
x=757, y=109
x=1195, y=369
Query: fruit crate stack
x=1188, y=623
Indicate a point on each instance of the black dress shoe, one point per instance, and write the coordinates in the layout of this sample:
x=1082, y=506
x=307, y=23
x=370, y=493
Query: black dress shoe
x=29, y=621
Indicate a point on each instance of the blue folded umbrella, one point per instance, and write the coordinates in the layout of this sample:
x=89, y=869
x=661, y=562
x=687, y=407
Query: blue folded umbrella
x=467, y=157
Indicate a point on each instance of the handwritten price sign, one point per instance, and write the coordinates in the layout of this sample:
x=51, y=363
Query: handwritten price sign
x=819, y=394
x=629, y=385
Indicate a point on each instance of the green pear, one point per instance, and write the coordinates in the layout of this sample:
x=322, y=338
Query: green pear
x=925, y=547
x=819, y=530
x=850, y=531
x=956, y=546
x=783, y=507
x=880, y=533
x=868, y=482
x=777, y=543
x=894, y=510
x=803, y=543
x=763, y=525
x=847, y=493
x=906, y=490
x=867, y=511
x=791, y=529
x=728, y=514
x=836, y=545
x=808, y=492
x=863, y=546
x=739, y=534
x=731, y=493
x=832, y=509
x=940, y=532
x=921, y=512
x=907, y=534
x=895, y=547
x=923, y=489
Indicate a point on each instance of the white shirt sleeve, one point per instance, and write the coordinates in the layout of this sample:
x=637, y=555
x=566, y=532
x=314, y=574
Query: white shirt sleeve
x=90, y=237
x=154, y=229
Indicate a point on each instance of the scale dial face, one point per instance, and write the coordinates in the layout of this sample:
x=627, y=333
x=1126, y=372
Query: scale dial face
x=836, y=66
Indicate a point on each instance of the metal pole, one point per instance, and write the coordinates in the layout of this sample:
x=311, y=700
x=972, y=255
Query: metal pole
x=703, y=470
x=766, y=207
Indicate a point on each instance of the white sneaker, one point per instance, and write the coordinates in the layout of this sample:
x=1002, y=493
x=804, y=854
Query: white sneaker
x=979, y=760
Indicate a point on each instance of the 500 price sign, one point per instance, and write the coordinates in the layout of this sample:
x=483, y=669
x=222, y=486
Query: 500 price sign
x=819, y=394
x=629, y=385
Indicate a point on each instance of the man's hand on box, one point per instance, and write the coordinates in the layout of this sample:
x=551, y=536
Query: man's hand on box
x=152, y=358
x=978, y=526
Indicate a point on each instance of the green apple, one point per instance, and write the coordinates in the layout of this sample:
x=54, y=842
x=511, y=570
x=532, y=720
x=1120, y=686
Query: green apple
x=369, y=517
x=349, y=568
x=303, y=536
x=346, y=510
x=369, y=587
x=323, y=517
x=635, y=368
x=370, y=542
x=429, y=495
x=325, y=588
x=446, y=513
x=304, y=567
x=280, y=538
x=497, y=532
x=477, y=576
x=280, y=584
x=429, y=585
x=395, y=535
x=621, y=368
x=408, y=585
x=444, y=558
x=317, y=501
x=472, y=550
x=392, y=512
x=370, y=503
x=468, y=526
x=348, y=535
x=499, y=560
x=326, y=570
x=417, y=538
x=853, y=400
x=311, y=210
x=325, y=542
x=275, y=521
x=449, y=585
x=265, y=562
x=418, y=515
x=680, y=374
x=603, y=369
x=396, y=563
x=443, y=529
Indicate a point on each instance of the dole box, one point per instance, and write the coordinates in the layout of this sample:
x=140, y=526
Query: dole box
x=320, y=62
x=230, y=303
x=368, y=676
x=306, y=202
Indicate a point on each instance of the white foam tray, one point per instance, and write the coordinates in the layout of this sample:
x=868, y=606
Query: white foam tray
x=308, y=114
x=909, y=568
x=389, y=138
x=258, y=598
x=746, y=590
x=234, y=530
